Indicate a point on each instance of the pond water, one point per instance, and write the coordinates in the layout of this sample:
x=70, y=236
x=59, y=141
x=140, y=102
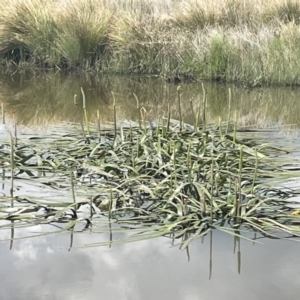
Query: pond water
x=60, y=266
x=43, y=99
x=44, y=268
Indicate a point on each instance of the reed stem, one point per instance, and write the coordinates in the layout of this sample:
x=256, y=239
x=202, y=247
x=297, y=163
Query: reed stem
x=235, y=127
x=72, y=186
x=85, y=112
x=12, y=166
x=211, y=188
x=179, y=106
x=169, y=118
x=255, y=172
x=143, y=112
x=115, y=114
x=138, y=109
x=210, y=254
x=98, y=125
x=204, y=108
x=229, y=110
x=239, y=200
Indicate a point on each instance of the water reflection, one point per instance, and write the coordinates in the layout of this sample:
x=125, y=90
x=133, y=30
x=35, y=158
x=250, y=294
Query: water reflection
x=55, y=267
x=44, y=269
x=47, y=98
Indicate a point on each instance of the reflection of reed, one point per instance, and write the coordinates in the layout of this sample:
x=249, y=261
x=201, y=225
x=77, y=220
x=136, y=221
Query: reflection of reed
x=237, y=245
x=48, y=99
x=12, y=234
x=210, y=253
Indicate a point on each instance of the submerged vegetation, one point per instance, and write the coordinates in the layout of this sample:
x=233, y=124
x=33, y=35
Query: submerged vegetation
x=251, y=43
x=169, y=179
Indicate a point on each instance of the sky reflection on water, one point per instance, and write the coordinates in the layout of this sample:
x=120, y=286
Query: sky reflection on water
x=44, y=268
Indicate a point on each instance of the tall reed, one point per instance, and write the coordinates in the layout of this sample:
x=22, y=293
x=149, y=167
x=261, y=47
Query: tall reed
x=179, y=107
x=87, y=126
x=232, y=41
x=115, y=114
x=204, y=108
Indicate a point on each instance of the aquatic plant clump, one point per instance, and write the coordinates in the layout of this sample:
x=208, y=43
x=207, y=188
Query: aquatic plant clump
x=151, y=181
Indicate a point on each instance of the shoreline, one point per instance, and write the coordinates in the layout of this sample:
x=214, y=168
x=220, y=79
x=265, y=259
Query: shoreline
x=251, y=45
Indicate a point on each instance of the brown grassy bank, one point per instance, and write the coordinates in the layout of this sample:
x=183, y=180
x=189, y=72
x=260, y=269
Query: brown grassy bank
x=250, y=42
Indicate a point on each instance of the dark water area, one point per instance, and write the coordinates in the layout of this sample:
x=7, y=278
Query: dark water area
x=61, y=266
x=48, y=98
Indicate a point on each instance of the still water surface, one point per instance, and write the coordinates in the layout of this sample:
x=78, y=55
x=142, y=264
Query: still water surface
x=46, y=99
x=44, y=268
x=47, y=268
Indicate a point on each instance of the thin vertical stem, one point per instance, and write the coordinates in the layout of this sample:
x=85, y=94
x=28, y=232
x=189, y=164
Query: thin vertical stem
x=204, y=108
x=138, y=109
x=72, y=186
x=210, y=254
x=115, y=114
x=12, y=235
x=91, y=207
x=239, y=200
x=71, y=239
x=235, y=126
x=189, y=162
x=98, y=125
x=85, y=112
x=75, y=100
x=12, y=166
x=143, y=112
x=109, y=218
x=212, y=187
x=203, y=203
x=239, y=254
x=179, y=106
x=255, y=173
x=229, y=110
x=16, y=136
x=169, y=117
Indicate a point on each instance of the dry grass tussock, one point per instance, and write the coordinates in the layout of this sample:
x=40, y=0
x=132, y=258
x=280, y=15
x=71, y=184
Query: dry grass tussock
x=252, y=42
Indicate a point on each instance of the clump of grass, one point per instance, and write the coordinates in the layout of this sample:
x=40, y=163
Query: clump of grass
x=287, y=11
x=284, y=53
x=250, y=43
x=28, y=32
x=239, y=13
x=194, y=15
x=218, y=56
x=247, y=57
x=141, y=46
x=83, y=33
